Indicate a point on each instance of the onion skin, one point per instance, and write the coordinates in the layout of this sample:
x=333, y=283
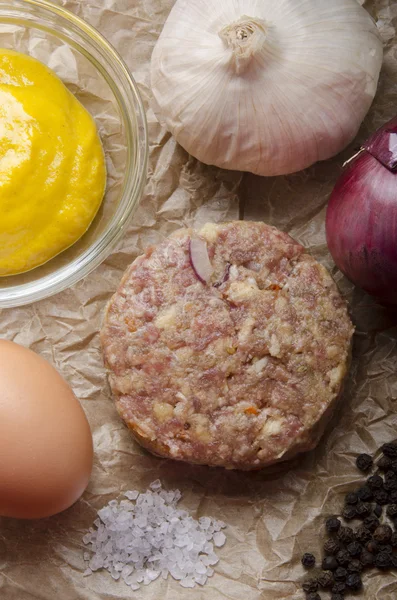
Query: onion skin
x=361, y=221
x=199, y=260
x=383, y=145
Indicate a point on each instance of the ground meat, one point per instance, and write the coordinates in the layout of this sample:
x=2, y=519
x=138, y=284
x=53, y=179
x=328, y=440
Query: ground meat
x=240, y=372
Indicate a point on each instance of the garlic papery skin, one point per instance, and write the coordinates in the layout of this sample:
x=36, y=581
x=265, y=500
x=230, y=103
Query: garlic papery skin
x=246, y=37
x=266, y=86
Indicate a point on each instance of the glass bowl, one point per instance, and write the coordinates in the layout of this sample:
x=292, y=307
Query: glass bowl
x=95, y=73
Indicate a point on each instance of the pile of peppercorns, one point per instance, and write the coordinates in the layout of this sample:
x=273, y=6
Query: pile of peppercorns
x=349, y=551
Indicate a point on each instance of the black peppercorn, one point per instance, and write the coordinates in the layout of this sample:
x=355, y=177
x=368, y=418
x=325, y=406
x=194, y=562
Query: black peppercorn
x=364, y=493
x=393, y=466
x=391, y=511
x=308, y=560
x=332, y=525
x=313, y=596
x=384, y=463
x=393, y=540
x=381, y=497
x=337, y=597
x=385, y=548
x=389, y=450
x=331, y=546
x=375, y=482
x=364, y=462
x=346, y=535
x=362, y=533
x=393, y=496
x=325, y=579
x=354, y=549
x=353, y=581
x=340, y=574
x=378, y=511
x=366, y=558
x=329, y=563
x=390, y=475
x=310, y=585
x=339, y=587
x=383, y=560
x=373, y=547
x=383, y=533
x=370, y=524
x=391, y=486
x=394, y=561
x=395, y=523
x=349, y=513
x=355, y=565
x=343, y=557
x=351, y=498
x=363, y=509
x=390, y=483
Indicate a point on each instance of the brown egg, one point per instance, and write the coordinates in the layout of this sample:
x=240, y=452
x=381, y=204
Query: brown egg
x=45, y=440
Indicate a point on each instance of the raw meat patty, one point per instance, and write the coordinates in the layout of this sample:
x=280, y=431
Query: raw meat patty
x=241, y=372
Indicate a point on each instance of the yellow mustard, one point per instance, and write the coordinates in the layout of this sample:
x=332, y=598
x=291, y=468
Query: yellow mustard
x=52, y=166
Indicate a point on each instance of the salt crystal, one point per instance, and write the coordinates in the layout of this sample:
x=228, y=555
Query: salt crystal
x=127, y=570
x=188, y=582
x=176, y=572
x=155, y=485
x=201, y=579
x=151, y=574
x=115, y=575
x=200, y=568
x=134, y=586
x=205, y=522
x=104, y=513
x=139, y=542
x=132, y=495
x=219, y=539
x=212, y=559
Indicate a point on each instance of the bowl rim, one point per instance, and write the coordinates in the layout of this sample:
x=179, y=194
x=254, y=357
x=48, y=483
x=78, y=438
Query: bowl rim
x=134, y=119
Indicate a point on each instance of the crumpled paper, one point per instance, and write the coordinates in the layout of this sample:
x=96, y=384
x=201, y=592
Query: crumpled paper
x=273, y=516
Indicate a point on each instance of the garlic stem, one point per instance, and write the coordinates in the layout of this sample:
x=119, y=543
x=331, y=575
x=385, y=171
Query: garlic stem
x=246, y=38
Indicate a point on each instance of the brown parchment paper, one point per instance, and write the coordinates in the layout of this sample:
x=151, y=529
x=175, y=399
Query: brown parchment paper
x=274, y=515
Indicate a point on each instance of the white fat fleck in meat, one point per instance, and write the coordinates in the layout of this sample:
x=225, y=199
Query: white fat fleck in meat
x=274, y=347
x=233, y=272
x=332, y=351
x=272, y=426
x=163, y=411
x=210, y=232
x=166, y=318
x=246, y=329
x=239, y=291
x=259, y=365
x=336, y=376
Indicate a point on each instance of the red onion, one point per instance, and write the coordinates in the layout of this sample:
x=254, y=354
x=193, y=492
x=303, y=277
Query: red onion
x=199, y=259
x=225, y=276
x=361, y=223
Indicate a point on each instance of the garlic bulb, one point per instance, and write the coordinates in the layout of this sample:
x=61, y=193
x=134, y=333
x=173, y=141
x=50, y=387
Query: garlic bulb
x=267, y=86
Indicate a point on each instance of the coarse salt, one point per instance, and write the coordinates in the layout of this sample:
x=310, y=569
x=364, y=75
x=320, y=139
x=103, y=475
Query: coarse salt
x=151, y=538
